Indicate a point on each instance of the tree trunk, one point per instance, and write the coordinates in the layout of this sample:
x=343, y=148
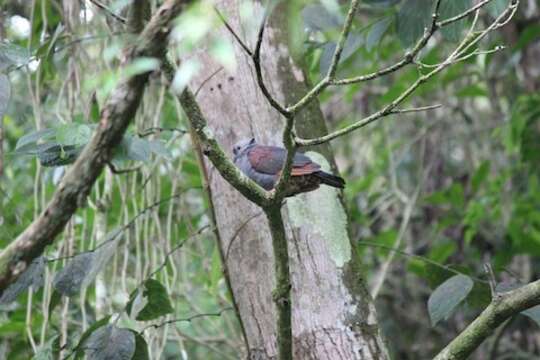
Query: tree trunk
x=332, y=314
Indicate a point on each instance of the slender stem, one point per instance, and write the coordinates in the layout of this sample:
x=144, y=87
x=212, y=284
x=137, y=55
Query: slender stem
x=281, y=293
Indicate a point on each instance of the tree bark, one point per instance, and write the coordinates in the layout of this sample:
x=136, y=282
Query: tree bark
x=332, y=314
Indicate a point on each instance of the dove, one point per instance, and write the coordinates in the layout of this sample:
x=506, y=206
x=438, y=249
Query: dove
x=263, y=164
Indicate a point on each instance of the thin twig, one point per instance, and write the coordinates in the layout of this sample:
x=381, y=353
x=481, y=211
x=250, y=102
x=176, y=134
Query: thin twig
x=417, y=109
x=108, y=11
x=463, y=14
x=233, y=33
x=207, y=80
x=187, y=319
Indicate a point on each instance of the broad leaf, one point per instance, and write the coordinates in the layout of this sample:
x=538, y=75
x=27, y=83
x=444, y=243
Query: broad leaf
x=450, y=8
x=57, y=155
x=377, y=31
x=79, y=348
x=73, y=134
x=448, y=296
x=32, y=276
x=354, y=41
x=141, y=347
x=110, y=343
x=317, y=17
x=533, y=313
x=83, y=268
x=27, y=143
x=155, y=299
x=11, y=54
x=413, y=17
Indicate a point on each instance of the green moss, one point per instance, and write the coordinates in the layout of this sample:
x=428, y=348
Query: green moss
x=322, y=209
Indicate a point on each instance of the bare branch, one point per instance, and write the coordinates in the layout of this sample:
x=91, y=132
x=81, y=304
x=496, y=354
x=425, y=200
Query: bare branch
x=256, y=57
x=342, y=40
x=417, y=109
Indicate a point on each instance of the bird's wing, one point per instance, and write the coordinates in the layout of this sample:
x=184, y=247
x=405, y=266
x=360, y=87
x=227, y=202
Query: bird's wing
x=270, y=159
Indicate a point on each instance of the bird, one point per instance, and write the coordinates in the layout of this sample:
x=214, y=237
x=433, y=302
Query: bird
x=263, y=164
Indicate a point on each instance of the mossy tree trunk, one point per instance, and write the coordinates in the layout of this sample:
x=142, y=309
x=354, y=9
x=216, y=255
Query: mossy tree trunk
x=332, y=313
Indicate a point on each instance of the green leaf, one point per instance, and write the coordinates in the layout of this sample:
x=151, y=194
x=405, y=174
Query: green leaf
x=377, y=31
x=156, y=300
x=73, y=134
x=23, y=143
x=413, y=17
x=450, y=8
x=354, y=41
x=78, y=348
x=448, y=296
x=11, y=54
x=480, y=175
x=52, y=154
x=110, y=343
x=533, y=313
x=141, y=348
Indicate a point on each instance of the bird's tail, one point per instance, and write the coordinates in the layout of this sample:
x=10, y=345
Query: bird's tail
x=330, y=180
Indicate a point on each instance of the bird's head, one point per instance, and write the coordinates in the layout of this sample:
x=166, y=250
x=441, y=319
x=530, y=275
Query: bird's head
x=242, y=146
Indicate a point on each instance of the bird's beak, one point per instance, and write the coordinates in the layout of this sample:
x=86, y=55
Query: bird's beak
x=252, y=141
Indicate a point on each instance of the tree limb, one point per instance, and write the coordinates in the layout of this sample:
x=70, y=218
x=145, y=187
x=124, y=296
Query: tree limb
x=503, y=306
x=77, y=183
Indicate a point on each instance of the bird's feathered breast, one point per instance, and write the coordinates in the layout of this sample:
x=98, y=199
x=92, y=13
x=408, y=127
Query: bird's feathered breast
x=270, y=160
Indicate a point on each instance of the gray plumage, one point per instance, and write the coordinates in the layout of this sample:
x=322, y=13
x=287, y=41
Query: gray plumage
x=263, y=164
